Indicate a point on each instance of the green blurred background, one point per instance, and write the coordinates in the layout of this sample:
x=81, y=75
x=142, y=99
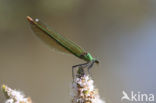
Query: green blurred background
x=120, y=33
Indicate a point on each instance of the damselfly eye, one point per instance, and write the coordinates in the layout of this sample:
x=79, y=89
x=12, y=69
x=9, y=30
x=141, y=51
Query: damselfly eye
x=96, y=61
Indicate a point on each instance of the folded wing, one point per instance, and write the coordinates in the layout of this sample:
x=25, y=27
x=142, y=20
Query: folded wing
x=54, y=39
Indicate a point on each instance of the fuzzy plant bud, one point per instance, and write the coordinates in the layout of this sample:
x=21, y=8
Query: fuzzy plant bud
x=83, y=89
x=14, y=96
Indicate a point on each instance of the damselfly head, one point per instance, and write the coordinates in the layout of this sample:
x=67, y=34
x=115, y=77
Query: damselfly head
x=96, y=61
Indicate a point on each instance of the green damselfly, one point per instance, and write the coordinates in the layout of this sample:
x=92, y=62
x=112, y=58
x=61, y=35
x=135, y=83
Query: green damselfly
x=61, y=43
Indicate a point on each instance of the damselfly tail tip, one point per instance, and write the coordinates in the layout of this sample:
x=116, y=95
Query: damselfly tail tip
x=29, y=18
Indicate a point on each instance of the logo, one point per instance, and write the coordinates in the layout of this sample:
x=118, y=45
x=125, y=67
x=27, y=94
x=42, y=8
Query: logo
x=137, y=97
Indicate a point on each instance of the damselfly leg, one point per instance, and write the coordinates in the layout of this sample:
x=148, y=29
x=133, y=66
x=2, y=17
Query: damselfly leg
x=90, y=66
x=84, y=65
